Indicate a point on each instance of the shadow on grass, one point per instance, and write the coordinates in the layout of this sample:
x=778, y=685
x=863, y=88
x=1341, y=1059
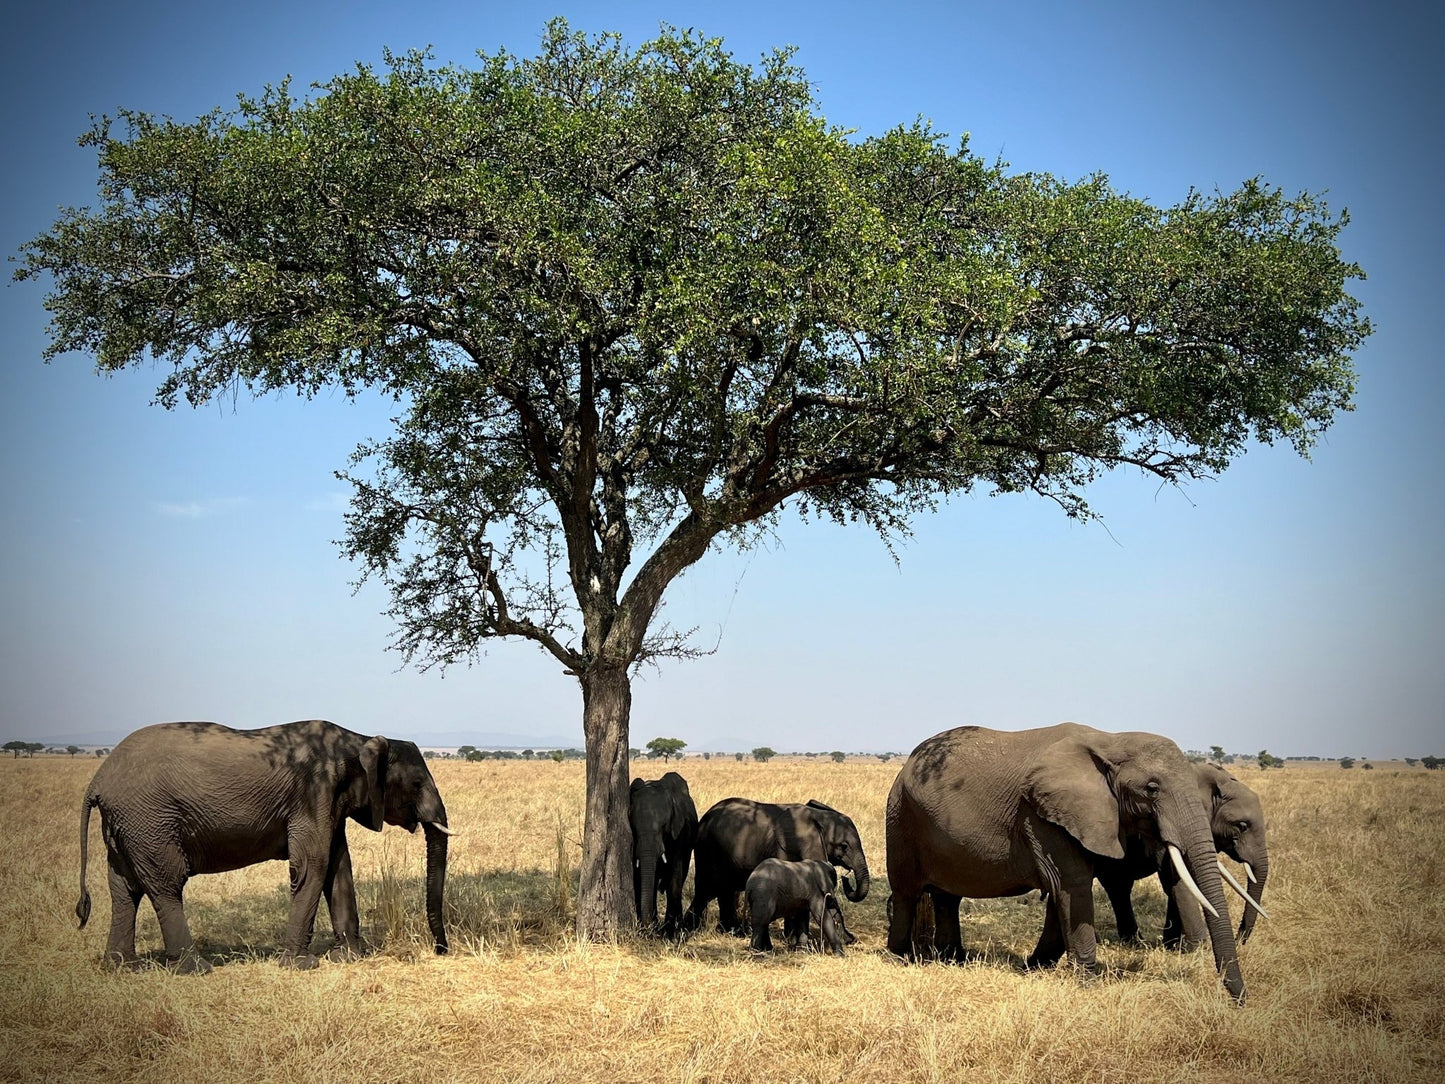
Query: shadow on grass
x=511, y=911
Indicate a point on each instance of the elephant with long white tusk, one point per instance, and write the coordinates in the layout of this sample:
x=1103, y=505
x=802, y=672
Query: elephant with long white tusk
x=987, y=813
x=1237, y=822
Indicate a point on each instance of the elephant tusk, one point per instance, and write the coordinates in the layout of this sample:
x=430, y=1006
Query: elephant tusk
x=1188, y=881
x=1249, y=872
x=442, y=828
x=1234, y=884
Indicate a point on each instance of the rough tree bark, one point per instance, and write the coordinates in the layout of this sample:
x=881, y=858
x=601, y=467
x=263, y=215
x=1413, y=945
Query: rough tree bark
x=605, y=907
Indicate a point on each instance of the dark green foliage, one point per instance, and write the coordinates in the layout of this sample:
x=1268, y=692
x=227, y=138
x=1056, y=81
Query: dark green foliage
x=763, y=753
x=666, y=748
x=1347, y=762
x=838, y=756
x=630, y=302
x=657, y=288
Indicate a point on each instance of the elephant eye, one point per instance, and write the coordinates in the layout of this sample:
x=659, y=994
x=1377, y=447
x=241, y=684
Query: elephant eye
x=1152, y=788
x=1243, y=826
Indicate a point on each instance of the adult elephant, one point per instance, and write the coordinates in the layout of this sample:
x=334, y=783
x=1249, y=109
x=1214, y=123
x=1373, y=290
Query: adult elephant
x=1236, y=819
x=178, y=799
x=736, y=834
x=664, y=829
x=987, y=813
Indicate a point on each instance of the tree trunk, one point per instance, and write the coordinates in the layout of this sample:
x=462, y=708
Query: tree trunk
x=604, y=899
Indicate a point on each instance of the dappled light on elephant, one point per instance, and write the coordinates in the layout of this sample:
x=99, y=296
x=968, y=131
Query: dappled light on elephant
x=180, y=799
x=737, y=834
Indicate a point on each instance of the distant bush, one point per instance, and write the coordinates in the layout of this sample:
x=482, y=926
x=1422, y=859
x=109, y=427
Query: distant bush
x=764, y=754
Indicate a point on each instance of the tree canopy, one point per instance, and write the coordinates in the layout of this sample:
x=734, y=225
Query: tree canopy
x=666, y=748
x=634, y=302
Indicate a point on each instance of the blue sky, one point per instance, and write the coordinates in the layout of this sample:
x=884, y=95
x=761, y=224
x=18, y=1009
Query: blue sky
x=166, y=565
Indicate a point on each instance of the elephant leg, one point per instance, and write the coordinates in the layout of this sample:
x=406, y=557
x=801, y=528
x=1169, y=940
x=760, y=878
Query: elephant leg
x=1050, y=949
x=702, y=894
x=176, y=932
x=901, y=907
x=795, y=931
x=308, y=877
x=762, y=941
x=125, y=897
x=340, y=891
x=1120, y=891
x=727, y=917
x=947, y=935
x=672, y=919
x=1076, y=919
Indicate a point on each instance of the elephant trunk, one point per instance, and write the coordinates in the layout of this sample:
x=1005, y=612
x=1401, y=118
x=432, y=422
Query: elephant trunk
x=857, y=888
x=1255, y=889
x=647, y=889
x=436, y=875
x=1203, y=864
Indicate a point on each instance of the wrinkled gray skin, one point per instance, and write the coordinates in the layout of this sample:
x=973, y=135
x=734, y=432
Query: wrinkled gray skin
x=180, y=799
x=737, y=834
x=987, y=813
x=664, y=829
x=796, y=892
x=1236, y=818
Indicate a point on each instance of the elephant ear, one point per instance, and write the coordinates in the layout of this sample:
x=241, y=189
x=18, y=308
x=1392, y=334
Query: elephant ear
x=1068, y=787
x=374, y=757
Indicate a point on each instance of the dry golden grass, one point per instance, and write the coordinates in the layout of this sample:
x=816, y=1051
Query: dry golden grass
x=1346, y=982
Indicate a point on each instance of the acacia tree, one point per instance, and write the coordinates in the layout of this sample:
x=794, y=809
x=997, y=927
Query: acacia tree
x=633, y=303
x=666, y=748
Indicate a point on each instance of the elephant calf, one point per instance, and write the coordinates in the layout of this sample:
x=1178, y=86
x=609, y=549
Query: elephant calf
x=796, y=892
x=179, y=799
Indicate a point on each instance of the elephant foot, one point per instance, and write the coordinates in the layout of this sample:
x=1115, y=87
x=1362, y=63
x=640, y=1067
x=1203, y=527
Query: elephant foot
x=345, y=954
x=120, y=961
x=189, y=963
x=1037, y=962
x=294, y=961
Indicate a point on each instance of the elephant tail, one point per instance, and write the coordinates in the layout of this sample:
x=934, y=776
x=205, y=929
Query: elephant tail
x=82, y=905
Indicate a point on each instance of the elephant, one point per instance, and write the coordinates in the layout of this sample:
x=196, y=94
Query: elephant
x=664, y=829
x=987, y=813
x=179, y=799
x=737, y=834
x=1236, y=818
x=796, y=892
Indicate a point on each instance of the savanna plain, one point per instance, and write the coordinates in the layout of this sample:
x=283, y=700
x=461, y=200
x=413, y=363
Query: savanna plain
x=1346, y=980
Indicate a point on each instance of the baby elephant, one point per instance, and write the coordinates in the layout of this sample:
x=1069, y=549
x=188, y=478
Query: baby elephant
x=794, y=892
